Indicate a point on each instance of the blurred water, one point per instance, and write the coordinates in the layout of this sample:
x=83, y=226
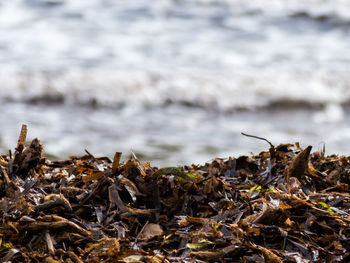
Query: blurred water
x=176, y=81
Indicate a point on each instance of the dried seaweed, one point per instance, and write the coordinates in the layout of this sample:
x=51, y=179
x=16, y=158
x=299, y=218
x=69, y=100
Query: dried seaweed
x=283, y=205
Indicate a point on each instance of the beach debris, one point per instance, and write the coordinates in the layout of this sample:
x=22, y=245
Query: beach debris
x=282, y=205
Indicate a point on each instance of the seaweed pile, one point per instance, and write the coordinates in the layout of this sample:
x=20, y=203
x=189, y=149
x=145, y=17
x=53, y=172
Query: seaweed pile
x=283, y=205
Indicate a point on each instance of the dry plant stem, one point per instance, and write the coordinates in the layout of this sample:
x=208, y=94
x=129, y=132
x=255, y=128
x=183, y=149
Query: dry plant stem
x=53, y=223
x=260, y=138
x=60, y=201
x=7, y=180
x=116, y=160
x=49, y=243
x=156, y=198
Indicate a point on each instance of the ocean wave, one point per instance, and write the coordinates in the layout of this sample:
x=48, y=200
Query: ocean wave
x=329, y=20
x=118, y=89
x=223, y=55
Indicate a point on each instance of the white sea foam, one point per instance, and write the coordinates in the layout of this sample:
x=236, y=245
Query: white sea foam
x=208, y=53
x=115, y=88
x=132, y=58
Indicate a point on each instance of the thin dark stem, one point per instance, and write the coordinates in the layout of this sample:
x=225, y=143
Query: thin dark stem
x=257, y=137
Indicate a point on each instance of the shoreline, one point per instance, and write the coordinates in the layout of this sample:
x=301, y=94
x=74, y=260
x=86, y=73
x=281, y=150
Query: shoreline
x=170, y=136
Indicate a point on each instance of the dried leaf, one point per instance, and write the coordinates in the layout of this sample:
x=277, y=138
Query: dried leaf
x=105, y=247
x=203, y=243
x=20, y=144
x=92, y=175
x=323, y=204
x=269, y=256
x=299, y=164
x=151, y=230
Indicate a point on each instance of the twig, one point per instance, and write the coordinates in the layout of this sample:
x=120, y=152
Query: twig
x=257, y=137
x=59, y=200
x=49, y=242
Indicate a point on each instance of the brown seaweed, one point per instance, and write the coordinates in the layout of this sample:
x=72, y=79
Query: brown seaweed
x=282, y=205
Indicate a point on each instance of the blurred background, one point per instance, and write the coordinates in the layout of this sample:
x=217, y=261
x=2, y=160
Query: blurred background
x=175, y=81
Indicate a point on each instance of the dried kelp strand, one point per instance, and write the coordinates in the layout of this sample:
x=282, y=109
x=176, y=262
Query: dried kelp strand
x=299, y=164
